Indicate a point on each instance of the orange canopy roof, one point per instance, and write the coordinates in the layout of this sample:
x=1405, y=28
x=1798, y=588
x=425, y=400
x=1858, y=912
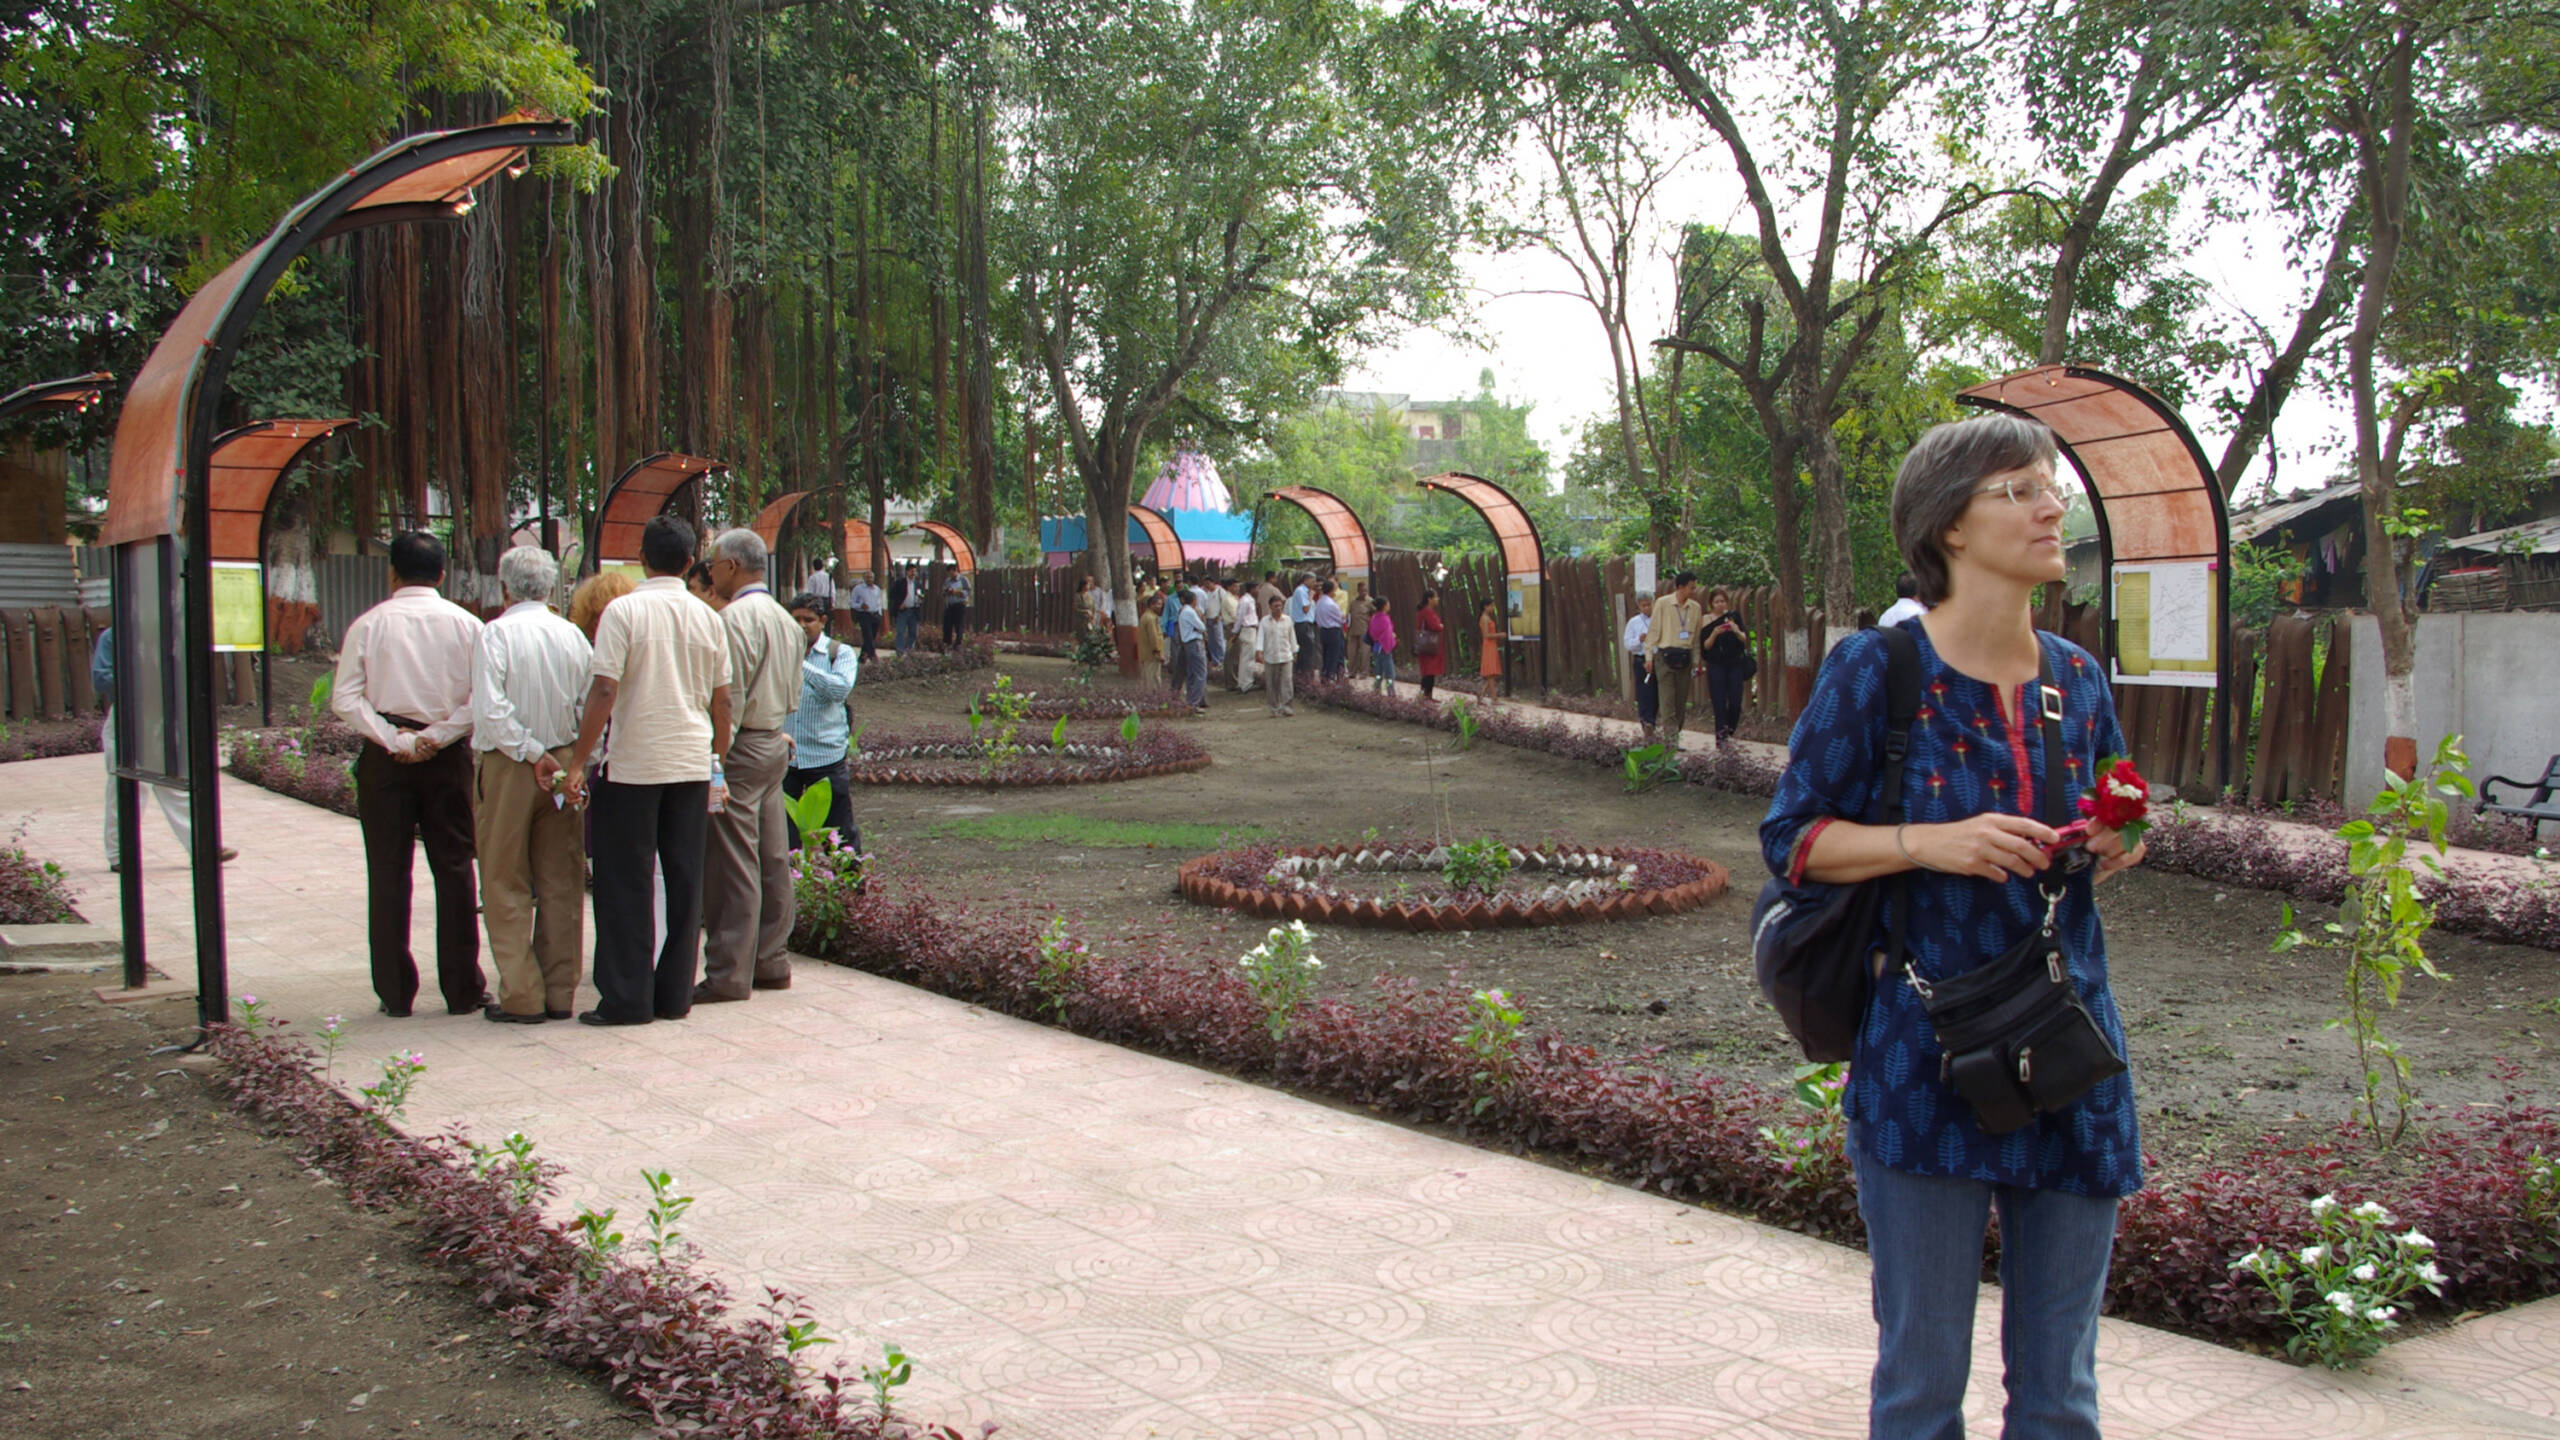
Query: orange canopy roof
x=2155, y=495
x=247, y=462
x=770, y=520
x=951, y=540
x=639, y=495
x=1163, y=546
x=1344, y=535
x=1512, y=527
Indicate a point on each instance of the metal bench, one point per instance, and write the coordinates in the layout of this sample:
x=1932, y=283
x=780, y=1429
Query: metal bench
x=2544, y=804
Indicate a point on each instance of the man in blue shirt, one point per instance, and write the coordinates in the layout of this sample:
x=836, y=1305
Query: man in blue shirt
x=819, y=729
x=1191, y=633
x=1302, y=618
x=173, y=803
x=1328, y=628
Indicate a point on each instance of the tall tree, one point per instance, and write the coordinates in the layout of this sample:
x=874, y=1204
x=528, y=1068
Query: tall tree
x=1214, y=205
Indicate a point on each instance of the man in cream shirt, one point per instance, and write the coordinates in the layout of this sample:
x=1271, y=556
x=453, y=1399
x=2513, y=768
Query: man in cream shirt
x=404, y=686
x=525, y=688
x=661, y=676
x=1671, y=652
x=746, y=874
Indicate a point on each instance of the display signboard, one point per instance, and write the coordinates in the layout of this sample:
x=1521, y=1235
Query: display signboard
x=151, y=690
x=1522, y=606
x=2167, y=623
x=239, y=605
x=1648, y=578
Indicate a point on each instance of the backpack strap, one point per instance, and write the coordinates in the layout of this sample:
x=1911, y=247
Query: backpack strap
x=1902, y=708
x=2056, y=809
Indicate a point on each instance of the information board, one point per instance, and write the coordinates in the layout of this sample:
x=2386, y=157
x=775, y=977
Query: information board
x=239, y=605
x=2167, y=623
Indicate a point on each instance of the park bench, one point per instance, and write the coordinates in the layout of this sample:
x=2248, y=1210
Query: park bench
x=2544, y=804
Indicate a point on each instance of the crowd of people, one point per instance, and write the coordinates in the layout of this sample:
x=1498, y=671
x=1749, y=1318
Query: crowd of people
x=653, y=734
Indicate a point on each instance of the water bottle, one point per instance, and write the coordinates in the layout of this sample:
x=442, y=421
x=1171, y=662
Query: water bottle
x=719, y=787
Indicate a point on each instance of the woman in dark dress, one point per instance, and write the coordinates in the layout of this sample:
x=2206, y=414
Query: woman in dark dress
x=1430, y=642
x=1728, y=662
x=1978, y=519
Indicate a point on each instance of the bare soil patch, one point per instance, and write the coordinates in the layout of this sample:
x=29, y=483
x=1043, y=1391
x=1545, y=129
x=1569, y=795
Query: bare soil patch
x=173, y=1273
x=2229, y=1042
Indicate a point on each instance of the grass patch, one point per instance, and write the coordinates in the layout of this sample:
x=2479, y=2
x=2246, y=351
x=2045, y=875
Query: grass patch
x=1016, y=832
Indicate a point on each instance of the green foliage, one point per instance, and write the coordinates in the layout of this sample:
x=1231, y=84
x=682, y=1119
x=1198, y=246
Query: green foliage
x=1061, y=961
x=808, y=812
x=1492, y=1036
x=1463, y=715
x=1130, y=725
x=1477, y=866
x=1648, y=766
x=826, y=876
x=1808, y=1146
x=388, y=1098
x=2383, y=919
x=1281, y=971
x=666, y=1207
x=2340, y=1295
x=2258, y=576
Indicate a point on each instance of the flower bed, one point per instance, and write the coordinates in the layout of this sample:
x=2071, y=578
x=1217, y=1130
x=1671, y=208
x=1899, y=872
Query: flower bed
x=312, y=763
x=2480, y=1181
x=33, y=891
x=1092, y=703
x=661, y=1334
x=2229, y=847
x=1406, y=887
x=976, y=652
x=47, y=739
x=955, y=757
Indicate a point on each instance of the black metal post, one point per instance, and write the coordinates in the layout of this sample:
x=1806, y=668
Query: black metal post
x=137, y=969
x=204, y=793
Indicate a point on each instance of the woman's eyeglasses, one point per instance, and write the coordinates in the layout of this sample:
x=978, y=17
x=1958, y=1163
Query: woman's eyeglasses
x=2023, y=491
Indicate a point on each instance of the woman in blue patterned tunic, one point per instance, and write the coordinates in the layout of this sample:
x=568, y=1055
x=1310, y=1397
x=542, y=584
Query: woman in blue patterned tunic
x=1979, y=521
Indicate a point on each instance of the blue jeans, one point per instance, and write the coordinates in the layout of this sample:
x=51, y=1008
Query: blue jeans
x=1925, y=1236
x=1382, y=665
x=907, y=622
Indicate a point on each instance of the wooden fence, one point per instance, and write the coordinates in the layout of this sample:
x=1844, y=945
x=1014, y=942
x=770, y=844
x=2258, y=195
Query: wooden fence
x=2290, y=743
x=44, y=665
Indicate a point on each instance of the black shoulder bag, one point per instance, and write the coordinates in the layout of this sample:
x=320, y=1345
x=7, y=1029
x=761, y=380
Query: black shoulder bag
x=2015, y=1036
x=1813, y=946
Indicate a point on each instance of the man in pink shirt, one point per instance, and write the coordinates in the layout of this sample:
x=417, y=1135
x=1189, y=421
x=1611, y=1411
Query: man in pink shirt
x=404, y=687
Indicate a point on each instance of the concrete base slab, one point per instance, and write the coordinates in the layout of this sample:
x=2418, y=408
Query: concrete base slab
x=60, y=947
x=158, y=987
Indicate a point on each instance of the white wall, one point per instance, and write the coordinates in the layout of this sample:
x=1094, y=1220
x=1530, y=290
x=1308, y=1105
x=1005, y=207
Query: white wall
x=2493, y=679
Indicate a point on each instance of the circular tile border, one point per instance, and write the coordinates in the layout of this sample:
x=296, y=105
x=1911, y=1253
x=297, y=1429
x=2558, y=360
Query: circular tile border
x=1201, y=884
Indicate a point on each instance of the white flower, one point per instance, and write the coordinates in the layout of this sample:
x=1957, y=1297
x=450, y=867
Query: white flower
x=2428, y=1274
x=2129, y=792
x=2345, y=1303
x=2380, y=1314
x=2313, y=1254
x=2324, y=1205
x=2375, y=1213
x=2255, y=1260
x=2366, y=1271
x=2415, y=1241
x=1314, y=964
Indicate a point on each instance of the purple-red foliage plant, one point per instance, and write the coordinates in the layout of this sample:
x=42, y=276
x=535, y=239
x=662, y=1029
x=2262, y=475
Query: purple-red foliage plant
x=1743, y=771
x=1699, y=1138
x=662, y=1336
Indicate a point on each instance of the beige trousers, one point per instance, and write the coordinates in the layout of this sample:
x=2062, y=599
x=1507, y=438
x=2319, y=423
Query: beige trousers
x=747, y=905
x=533, y=885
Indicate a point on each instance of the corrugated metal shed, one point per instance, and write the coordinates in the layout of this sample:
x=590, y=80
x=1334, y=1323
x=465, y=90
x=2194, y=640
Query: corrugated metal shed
x=32, y=575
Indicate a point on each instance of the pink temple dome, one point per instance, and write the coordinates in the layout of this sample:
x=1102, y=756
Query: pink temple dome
x=1188, y=482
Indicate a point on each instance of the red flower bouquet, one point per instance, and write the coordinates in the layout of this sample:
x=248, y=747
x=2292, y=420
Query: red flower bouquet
x=2120, y=801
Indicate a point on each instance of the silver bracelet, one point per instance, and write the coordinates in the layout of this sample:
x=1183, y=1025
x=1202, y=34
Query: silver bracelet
x=1906, y=853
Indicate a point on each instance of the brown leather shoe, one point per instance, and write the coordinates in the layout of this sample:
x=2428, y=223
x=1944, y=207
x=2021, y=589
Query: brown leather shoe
x=705, y=995
x=782, y=984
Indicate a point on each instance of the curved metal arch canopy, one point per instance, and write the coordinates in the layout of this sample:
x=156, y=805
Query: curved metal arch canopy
x=770, y=520
x=857, y=545
x=74, y=394
x=637, y=496
x=1156, y=532
x=1344, y=535
x=1522, y=554
x=247, y=463
x=951, y=540
x=159, y=480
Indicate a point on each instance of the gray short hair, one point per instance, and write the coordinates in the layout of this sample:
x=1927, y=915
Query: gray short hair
x=527, y=573
x=740, y=546
x=1938, y=479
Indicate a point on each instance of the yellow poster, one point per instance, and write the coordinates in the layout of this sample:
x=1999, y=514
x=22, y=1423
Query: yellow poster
x=1524, y=607
x=2167, y=625
x=239, y=605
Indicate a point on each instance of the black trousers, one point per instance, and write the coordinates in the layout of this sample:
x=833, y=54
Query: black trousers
x=1329, y=638
x=634, y=824
x=869, y=624
x=1724, y=692
x=839, y=778
x=1309, y=652
x=952, y=614
x=399, y=806
x=1648, y=695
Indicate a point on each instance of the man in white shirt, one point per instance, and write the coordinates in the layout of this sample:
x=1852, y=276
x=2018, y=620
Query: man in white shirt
x=746, y=869
x=661, y=676
x=906, y=597
x=404, y=687
x=1648, y=690
x=821, y=584
x=870, y=605
x=1906, y=605
x=525, y=688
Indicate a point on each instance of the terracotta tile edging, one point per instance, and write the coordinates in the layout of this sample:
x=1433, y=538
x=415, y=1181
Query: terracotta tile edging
x=1194, y=882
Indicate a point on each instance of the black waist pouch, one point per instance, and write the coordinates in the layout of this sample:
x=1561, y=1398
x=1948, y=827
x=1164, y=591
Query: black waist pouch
x=2016, y=1036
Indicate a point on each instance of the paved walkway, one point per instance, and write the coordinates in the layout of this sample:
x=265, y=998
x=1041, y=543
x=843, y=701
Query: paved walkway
x=1079, y=1240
